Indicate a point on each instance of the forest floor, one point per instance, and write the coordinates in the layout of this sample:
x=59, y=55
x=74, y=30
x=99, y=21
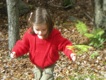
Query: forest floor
x=84, y=66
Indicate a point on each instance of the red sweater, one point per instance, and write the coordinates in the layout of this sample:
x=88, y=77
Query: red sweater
x=42, y=52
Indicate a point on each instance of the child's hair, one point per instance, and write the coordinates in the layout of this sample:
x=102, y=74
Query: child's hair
x=41, y=16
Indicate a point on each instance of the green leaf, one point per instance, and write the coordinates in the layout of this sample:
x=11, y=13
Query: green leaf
x=98, y=32
x=82, y=48
x=94, y=55
x=81, y=27
x=88, y=35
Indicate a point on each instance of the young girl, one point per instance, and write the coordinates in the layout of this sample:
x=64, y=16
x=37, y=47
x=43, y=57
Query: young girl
x=43, y=42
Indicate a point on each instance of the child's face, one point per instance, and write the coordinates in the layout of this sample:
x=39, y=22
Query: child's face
x=41, y=31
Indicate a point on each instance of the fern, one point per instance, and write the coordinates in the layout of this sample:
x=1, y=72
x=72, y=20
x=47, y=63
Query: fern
x=79, y=49
x=96, y=36
x=94, y=55
x=81, y=27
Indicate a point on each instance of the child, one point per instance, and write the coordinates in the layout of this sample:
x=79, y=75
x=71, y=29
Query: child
x=43, y=42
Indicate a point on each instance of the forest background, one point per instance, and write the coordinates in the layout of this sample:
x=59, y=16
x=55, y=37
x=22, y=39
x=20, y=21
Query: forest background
x=90, y=64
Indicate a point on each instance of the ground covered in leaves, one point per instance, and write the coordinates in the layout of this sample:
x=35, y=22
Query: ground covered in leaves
x=21, y=68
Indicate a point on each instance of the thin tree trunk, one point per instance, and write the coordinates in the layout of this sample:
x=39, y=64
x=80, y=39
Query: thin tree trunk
x=13, y=22
x=98, y=13
x=104, y=5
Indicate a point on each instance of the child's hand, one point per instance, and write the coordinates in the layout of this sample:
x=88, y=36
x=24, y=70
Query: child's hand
x=73, y=56
x=13, y=55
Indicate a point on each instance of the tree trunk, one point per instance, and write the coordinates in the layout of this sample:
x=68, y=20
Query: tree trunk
x=98, y=13
x=104, y=5
x=13, y=22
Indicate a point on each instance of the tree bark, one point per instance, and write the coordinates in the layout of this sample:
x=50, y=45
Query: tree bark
x=98, y=13
x=104, y=5
x=13, y=22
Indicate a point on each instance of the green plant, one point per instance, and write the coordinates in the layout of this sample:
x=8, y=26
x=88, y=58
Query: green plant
x=79, y=49
x=94, y=54
x=96, y=36
x=59, y=78
x=85, y=77
x=81, y=27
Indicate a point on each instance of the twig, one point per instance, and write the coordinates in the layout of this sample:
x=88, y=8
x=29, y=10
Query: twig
x=88, y=16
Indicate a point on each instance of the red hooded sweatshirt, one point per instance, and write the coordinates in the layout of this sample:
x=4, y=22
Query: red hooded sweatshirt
x=42, y=52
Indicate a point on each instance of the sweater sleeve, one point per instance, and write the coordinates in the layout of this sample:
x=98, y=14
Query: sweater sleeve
x=62, y=44
x=22, y=46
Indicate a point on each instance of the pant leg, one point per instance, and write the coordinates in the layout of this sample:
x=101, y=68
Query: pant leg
x=47, y=73
x=37, y=73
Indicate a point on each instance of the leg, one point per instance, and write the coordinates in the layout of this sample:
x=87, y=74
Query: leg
x=37, y=73
x=48, y=73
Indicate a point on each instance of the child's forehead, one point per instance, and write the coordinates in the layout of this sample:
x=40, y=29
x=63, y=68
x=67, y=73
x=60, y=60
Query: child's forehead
x=42, y=26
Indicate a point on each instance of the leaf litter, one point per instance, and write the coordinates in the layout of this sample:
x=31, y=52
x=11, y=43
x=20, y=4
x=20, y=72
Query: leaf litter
x=21, y=68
